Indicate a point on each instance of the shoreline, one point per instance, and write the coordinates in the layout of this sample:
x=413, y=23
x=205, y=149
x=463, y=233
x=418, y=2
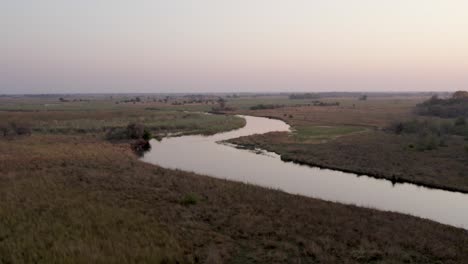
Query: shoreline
x=393, y=179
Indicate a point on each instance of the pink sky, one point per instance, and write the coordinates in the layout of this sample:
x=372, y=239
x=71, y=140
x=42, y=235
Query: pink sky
x=247, y=45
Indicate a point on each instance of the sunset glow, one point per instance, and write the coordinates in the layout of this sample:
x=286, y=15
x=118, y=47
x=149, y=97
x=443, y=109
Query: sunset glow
x=213, y=45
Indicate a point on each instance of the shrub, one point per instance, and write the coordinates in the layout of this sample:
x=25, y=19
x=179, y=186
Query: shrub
x=23, y=131
x=439, y=128
x=117, y=134
x=189, y=199
x=15, y=128
x=428, y=142
x=147, y=135
x=135, y=131
x=266, y=106
x=132, y=131
x=453, y=107
x=141, y=146
x=303, y=96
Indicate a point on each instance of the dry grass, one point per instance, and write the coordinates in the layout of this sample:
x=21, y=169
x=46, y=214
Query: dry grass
x=375, y=153
x=373, y=113
x=159, y=122
x=71, y=197
x=77, y=199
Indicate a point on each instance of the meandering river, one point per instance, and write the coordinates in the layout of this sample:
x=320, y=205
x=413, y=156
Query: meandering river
x=204, y=155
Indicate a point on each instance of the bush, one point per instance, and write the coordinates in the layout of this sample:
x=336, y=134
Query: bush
x=20, y=131
x=266, y=106
x=439, y=128
x=303, y=96
x=132, y=131
x=15, y=129
x=117, y=134
x=135, y=131
x=147, y=135
x=453, y=107
x=428, y=142
x=141, y=146
x=189, y=199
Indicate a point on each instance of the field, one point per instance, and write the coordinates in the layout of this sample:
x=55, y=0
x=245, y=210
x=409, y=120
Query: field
x=352, y=137
x=70, y=196
x=100, y=116
x=78, y=199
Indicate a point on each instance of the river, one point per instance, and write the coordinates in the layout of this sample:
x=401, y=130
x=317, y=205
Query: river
x=205, y=155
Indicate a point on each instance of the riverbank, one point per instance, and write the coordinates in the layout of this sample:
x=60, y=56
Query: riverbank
x=77, y=194
x=376, y=154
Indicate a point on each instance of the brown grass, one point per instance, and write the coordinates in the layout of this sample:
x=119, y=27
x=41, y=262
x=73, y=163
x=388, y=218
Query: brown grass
x=376, y=154
x=374, y=113
x=372, y=152
x=160, y=122
x=77, y=199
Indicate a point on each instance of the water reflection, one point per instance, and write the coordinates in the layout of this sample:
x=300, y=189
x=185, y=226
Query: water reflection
x=204, y=155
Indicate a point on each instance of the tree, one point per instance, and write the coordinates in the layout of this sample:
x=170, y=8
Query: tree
x=135, y=131
x=460, y=95
x=222, y=103
x=147, y=135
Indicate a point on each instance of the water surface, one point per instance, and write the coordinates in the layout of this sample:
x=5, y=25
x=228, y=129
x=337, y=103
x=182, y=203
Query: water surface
x=203, y=155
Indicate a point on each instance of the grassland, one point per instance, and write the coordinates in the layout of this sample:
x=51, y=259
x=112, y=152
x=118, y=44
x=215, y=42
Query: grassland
x=69, y=196
x=75, y=199
x=350, y=137
x=323, y=133
x=160, y=122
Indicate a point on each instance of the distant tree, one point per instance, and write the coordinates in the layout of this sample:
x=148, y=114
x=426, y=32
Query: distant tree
x=433, y=99
x=453, y=107
x=222, y=103
x=363, y=97
x=303, y=96
x=460, y=95
x=20, y=129
x=135, y=131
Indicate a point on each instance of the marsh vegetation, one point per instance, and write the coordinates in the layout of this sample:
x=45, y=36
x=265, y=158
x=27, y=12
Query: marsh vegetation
x=69, y=195
x=386, y=137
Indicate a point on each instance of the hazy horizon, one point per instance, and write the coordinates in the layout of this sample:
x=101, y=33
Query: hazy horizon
x=221, y=46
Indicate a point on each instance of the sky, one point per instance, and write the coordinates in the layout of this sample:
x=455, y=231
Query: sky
x=69, y=46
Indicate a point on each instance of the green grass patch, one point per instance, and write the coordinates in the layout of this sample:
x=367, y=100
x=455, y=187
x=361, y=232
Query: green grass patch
x=157, y=122
x=325, y=132
x=189, y=199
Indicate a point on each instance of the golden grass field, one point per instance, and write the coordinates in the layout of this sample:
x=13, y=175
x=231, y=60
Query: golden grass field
x=73, y=197
x=350, y=137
